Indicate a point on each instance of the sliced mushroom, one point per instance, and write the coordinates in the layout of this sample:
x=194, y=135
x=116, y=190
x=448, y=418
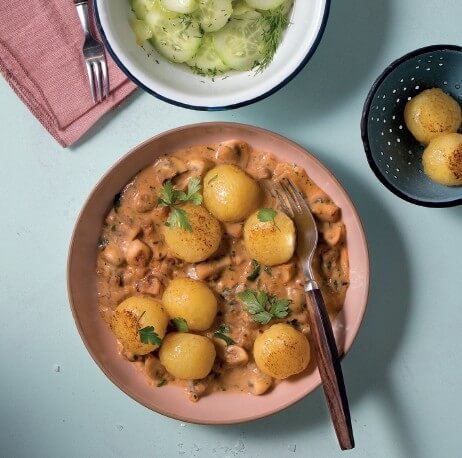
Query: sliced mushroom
x=259, y=382
x=113, y=255
x=138, y=253
x=283, y=273
x=153, y=368
x=234, y=229
x=168, y=167
x=199, y=166
x=235, y=356
x=297, y=296
x=333, y=233
x=213, y=268
x=233, y=152
x=149, y=285
x=195, y=389
x=144, y=201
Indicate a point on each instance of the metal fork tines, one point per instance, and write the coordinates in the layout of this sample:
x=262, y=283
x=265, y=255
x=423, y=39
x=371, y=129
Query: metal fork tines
x=293, y=203
x=93, y=53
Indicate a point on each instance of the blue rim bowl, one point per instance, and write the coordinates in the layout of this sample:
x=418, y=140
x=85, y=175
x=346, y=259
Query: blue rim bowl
x=175, y=84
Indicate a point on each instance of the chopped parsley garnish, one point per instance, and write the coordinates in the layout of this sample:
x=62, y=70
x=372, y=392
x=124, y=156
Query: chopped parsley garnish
x=180, y=324
x=149, y=336
x=268, y=270
x=163, y=382
x=255, y=271
x=266, y=214
x=263, y=306
x=222, y=333
x=171, y=197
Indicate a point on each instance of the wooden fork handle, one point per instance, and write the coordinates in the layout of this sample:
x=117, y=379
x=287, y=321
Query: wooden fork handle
x=329, y=368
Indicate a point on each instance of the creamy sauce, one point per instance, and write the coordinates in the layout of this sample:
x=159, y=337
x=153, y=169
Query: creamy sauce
x=135, y=215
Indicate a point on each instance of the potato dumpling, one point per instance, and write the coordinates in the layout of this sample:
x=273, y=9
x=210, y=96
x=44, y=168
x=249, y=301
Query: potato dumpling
x=432, y=113
x=191, y=300
x=187, y=356
x=270, y=242
x=133, y=314
x=281, y=351
x=230, y=194
x=198, y=244
x=442, y=160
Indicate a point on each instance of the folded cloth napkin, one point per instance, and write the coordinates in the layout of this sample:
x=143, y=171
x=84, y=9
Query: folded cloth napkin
x=41, y=58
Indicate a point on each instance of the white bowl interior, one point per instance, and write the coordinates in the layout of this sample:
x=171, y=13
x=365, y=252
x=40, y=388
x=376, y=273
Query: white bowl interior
x=177, y=82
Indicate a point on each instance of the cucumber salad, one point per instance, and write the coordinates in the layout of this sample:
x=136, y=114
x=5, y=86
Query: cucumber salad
x=212, y=36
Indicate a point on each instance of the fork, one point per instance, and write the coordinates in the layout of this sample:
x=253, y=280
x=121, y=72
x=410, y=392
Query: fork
x=294, y=205
x=93, y=54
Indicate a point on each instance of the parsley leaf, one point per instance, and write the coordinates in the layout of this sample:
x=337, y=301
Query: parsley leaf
x=179, y=218
x=279, y=307
x=163, y=382
x=250, y=300
x=255, y=271
x=222, y=333
x=264, y=307
x=268, y=270
x=171, y=197
x=149, y=336
x=180, y=324
x=266, y=214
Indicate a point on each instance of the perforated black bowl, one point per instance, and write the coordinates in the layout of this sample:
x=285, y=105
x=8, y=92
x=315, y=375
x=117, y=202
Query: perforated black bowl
x=393, y=153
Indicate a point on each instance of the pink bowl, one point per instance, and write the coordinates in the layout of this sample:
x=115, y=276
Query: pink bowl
x=218, y=408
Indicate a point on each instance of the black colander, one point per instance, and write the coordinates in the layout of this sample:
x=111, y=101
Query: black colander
x=393, y=153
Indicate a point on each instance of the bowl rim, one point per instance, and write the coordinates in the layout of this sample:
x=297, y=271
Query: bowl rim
x=71, y=250
x=365, y=132
x=272, y=91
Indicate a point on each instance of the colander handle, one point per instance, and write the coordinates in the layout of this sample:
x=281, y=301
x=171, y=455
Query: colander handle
x=329, y=367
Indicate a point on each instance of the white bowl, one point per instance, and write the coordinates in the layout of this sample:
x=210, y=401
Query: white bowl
x=176, y=83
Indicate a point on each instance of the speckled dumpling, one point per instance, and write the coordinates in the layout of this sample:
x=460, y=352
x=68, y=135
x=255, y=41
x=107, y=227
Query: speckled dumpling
x=442, y=160
x=133, y=314
x=198, y=244
x=187, y=356
x=270, y=243
x=432, y=113
x=281, y=351
x=230, y=194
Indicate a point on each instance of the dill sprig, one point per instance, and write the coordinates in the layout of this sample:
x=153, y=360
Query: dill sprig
x=274, y=23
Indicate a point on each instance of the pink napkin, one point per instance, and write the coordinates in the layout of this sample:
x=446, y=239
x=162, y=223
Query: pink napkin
x=41, y=59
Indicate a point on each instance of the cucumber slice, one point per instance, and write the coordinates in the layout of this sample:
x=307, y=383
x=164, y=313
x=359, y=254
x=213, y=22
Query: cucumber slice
x=206, y=61
x=157, y=16
x=179, y=6
x=214, y=14
x=239, y=44
x=240, y=7
x=177, y=38
x=142, y=7
x=264, y=4
x=141, y=30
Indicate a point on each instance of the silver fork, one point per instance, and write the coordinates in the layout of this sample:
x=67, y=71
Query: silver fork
x=293, y=203
x=93, y=54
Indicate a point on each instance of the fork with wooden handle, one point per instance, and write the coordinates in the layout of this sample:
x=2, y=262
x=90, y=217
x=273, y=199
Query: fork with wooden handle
x=293, y=203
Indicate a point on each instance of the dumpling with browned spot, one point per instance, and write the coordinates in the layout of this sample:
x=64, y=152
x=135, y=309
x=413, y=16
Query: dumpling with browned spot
x=198, y=242
x=442, y=160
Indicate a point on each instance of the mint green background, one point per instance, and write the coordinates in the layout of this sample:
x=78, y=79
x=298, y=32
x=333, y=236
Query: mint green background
x=404, y=373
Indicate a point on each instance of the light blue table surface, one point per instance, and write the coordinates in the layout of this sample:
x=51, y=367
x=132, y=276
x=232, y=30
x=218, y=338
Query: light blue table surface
x=404, y=373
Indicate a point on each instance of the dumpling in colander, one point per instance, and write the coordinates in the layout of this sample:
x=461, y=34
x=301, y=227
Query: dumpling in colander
x=431, y=114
